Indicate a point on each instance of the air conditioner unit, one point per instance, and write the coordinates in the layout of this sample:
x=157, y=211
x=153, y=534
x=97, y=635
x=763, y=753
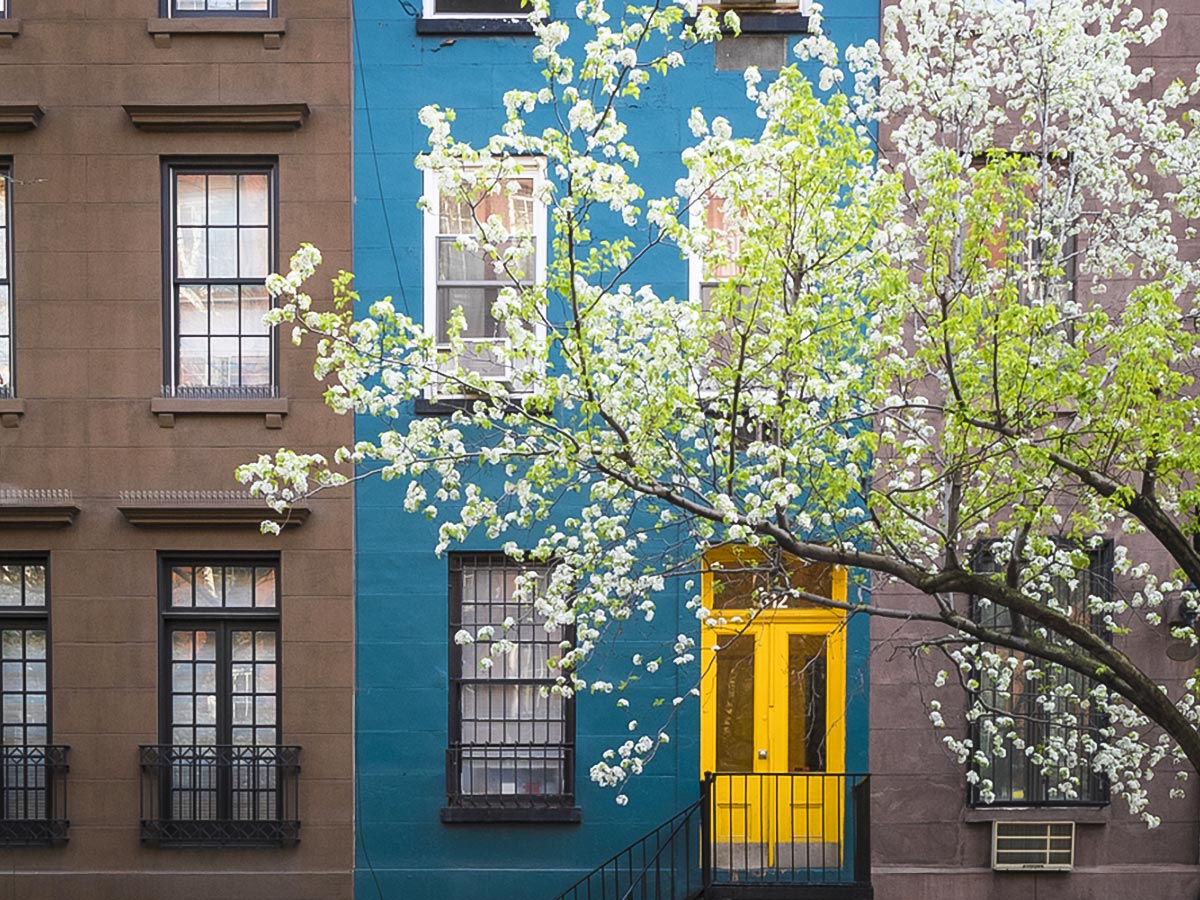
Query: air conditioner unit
x=1033, y=846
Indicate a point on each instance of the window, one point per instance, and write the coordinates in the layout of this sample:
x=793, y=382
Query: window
x=3, y=9
x=6, y=265
x=217, y=7
x=489, y=8
x=458, y=278
x=511, y=741
x=222, y=246
x=221, y=768
x=32, y=786
x=1016, y=778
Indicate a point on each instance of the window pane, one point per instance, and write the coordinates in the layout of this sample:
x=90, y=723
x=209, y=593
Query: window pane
x=256, y=361
x=35, y=708
x=191, y=252
x=206, y=678
x=222, y=199
x=222, y=253
x=181, y=586
x=206, y=645
x=11, y=643
x=264, y=587
x=239, y=586
x=476, y=305
x=254, y=197
x=264, y=646
x=255, y=303
x=224, y=309
x=35, y=644
x=193, y=309
x=10, y=585
x=181, y=677
x=189, y=199
x=35, y=676
x=181, y=645
x=13, y=676
x=35, y=585
x=243, y=645
x=224, y=365
x=209, y=586
x=193, y=361
x=254, y=250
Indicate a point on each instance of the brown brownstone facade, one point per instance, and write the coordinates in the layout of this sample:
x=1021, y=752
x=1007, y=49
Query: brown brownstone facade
x=928, y=841
x=97, y=97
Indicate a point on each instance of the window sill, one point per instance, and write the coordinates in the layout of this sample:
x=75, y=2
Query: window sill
x=459, y=815
x=11, y=411
x=1080, y=815
x=272, y=409
x=270, y=30
x=443, y=26
x=9, y=29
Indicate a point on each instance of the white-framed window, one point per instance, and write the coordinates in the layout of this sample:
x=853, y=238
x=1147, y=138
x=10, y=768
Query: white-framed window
x=6, y=265
x=189, y=8
x=480, y=9
x=460, y=278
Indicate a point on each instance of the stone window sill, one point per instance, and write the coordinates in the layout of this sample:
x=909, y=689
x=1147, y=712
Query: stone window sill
x=11, y=411
x=270, y=30
x=9, y=29
x=1080, y=815
x=452, y=815
x=167, y=408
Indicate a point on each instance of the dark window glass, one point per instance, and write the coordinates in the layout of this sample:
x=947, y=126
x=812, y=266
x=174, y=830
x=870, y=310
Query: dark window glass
x=220, y=688
x=1016, y=776
x=512, y=739
x=222, y=249
x=24, y=689
x=479, y=7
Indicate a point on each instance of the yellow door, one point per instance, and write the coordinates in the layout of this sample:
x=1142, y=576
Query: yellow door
x=772, y=702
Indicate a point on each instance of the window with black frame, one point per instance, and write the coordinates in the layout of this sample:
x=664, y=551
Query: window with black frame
x=32, y=771
x=221, y=242
x=222, y=766
x=477, y=7
x=1016, y=775
x=512, y=737
x=6, y=262
x=183, y=8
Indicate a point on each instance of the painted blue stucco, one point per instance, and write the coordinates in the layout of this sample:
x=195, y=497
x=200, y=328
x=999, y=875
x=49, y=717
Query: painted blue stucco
x=404, y=852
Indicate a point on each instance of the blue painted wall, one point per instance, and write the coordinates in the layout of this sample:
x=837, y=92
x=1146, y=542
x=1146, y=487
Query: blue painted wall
x=404, y=852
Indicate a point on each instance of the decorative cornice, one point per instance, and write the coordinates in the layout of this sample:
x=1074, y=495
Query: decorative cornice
x=158, y=509
x=239, y=117
x=36, y=508
x=20, y=116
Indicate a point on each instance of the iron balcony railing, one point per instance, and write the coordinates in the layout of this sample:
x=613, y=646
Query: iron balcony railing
x=750, y=836
x=511, y=776
x=220, y=392
x=33, y=795
x=219, y=795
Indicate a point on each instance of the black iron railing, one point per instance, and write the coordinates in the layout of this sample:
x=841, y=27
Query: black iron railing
x=789, y=829
x=529, y=776
x=793, y=835
x=665, y=864
x=220, y=392
x=220, y=795
x=33, y=795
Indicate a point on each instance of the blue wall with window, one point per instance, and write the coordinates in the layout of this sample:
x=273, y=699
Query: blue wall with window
x=404, y=849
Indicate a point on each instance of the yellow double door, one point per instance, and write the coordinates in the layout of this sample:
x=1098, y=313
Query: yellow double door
x=772, y=726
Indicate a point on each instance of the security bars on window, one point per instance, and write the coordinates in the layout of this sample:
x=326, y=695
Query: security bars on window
x=6, y=310
x=511, y=745
x=222, y=239
x=1016, y=778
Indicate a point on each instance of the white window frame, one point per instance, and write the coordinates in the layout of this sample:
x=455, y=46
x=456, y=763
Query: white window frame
x=429, y=11
x=531, y=166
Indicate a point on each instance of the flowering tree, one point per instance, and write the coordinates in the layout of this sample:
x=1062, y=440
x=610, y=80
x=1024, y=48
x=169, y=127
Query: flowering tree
x=957, y=362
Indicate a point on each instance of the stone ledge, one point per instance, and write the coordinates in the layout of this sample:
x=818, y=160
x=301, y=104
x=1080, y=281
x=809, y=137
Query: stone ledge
x=11, y=410
x=161, y=509
x=207, y=117
x=272, y=409
x=1080, y=815
x=49, y=508
x=271, y=30
x=20, y=116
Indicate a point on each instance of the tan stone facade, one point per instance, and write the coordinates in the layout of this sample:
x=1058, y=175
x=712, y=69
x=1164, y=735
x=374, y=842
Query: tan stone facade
x=88, y=282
